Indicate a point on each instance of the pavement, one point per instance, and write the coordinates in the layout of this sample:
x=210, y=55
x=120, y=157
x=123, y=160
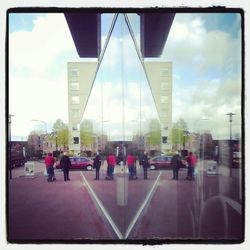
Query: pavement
x=155, y=210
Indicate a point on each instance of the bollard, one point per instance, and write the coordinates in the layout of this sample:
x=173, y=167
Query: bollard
x=29, y=169
x=121, y=186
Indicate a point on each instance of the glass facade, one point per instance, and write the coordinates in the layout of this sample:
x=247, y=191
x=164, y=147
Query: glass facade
x=170, y=161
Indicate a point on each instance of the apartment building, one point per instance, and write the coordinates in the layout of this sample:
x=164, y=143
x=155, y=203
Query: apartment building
x=80, y=79
x=160, y=81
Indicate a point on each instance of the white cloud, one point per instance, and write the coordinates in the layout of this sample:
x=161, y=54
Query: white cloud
x=208, y=69
x=37, y=64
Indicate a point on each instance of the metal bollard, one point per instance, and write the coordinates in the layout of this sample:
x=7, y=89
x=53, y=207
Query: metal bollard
x=122, y=186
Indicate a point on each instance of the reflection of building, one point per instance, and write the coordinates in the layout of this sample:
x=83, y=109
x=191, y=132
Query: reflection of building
x=138, y=142
x=160, y=81
x=85, y=30
x=102, y=141
x=80, y=78
x=41, y=143
x=36, y=141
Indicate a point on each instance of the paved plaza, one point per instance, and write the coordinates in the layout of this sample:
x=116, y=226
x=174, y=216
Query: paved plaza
x=155, y=210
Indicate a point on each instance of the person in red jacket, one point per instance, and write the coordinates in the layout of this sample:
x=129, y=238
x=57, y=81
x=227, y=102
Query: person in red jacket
x=49, y=163
x=191, y=160
x=131, y=160
x=111, y=161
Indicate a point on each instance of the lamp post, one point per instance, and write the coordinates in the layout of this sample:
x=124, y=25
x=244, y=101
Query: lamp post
x=230, y=115
x=10, y=167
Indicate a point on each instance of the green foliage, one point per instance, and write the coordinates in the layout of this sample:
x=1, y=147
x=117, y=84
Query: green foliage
x=86, y=133
x=60, y=134
x=154, y=137
x=179, y=133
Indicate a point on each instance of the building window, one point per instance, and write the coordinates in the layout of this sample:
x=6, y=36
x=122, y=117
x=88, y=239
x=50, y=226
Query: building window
x=164, y=85
x=164, y=72
x=76, y=127
x=75, y=113
x=164, y=127
x=75, y=99
x=164, y=99
x=75, y=85
x=164, y=139
x=74, y=72
x=76, y=140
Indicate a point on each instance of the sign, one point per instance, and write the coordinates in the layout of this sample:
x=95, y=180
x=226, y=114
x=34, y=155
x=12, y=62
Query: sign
x=29, y=169
x=212, y=168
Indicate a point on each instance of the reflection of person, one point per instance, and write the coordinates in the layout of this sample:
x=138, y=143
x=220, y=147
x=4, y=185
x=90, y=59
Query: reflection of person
x=191, y=160
x=111, y=161
x=65, y=164
x=97, y=165
x=176, y=164
x=49, y=162
x=131, y=166
x=145, y=164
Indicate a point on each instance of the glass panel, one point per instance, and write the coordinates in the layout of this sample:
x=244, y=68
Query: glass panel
x=124, y=119
x=182, y=108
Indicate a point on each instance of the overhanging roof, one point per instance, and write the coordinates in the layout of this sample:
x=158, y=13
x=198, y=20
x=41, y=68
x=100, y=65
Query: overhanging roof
x=85, y=29
x=155, y=28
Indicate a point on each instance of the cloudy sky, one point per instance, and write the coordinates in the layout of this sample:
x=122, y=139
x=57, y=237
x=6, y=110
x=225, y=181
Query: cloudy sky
x=205, y=50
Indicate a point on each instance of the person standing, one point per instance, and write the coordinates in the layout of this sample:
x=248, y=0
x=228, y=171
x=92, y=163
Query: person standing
x=145, y=164
x=65, y=163
x=49, y=163
x=131, y=166
x=111, y=161
x=176, y=164
x=191, y=160
x=97, y=165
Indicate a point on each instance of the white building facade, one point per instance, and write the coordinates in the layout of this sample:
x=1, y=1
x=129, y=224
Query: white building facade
x=80, y=80
x=160, y=80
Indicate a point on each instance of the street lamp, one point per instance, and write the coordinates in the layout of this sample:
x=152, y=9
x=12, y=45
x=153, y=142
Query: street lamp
x=230, y=115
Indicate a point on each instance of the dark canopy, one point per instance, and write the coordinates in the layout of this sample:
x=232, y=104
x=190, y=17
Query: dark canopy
x=85, y=29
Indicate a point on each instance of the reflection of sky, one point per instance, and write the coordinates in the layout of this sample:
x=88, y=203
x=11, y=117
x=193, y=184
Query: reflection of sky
x=205, y=49
x=123, y=78
x=22, y=21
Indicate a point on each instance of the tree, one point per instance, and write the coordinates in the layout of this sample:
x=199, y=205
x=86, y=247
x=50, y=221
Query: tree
x=60, y=134
x=154, y=137
x=179, y=134
x=86, y=133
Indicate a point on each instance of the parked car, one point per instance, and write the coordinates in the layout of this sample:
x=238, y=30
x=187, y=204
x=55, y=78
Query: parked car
x=162, y=162
x=79, y=162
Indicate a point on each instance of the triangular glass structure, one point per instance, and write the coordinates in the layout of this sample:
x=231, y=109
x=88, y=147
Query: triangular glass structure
x=122, y=113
